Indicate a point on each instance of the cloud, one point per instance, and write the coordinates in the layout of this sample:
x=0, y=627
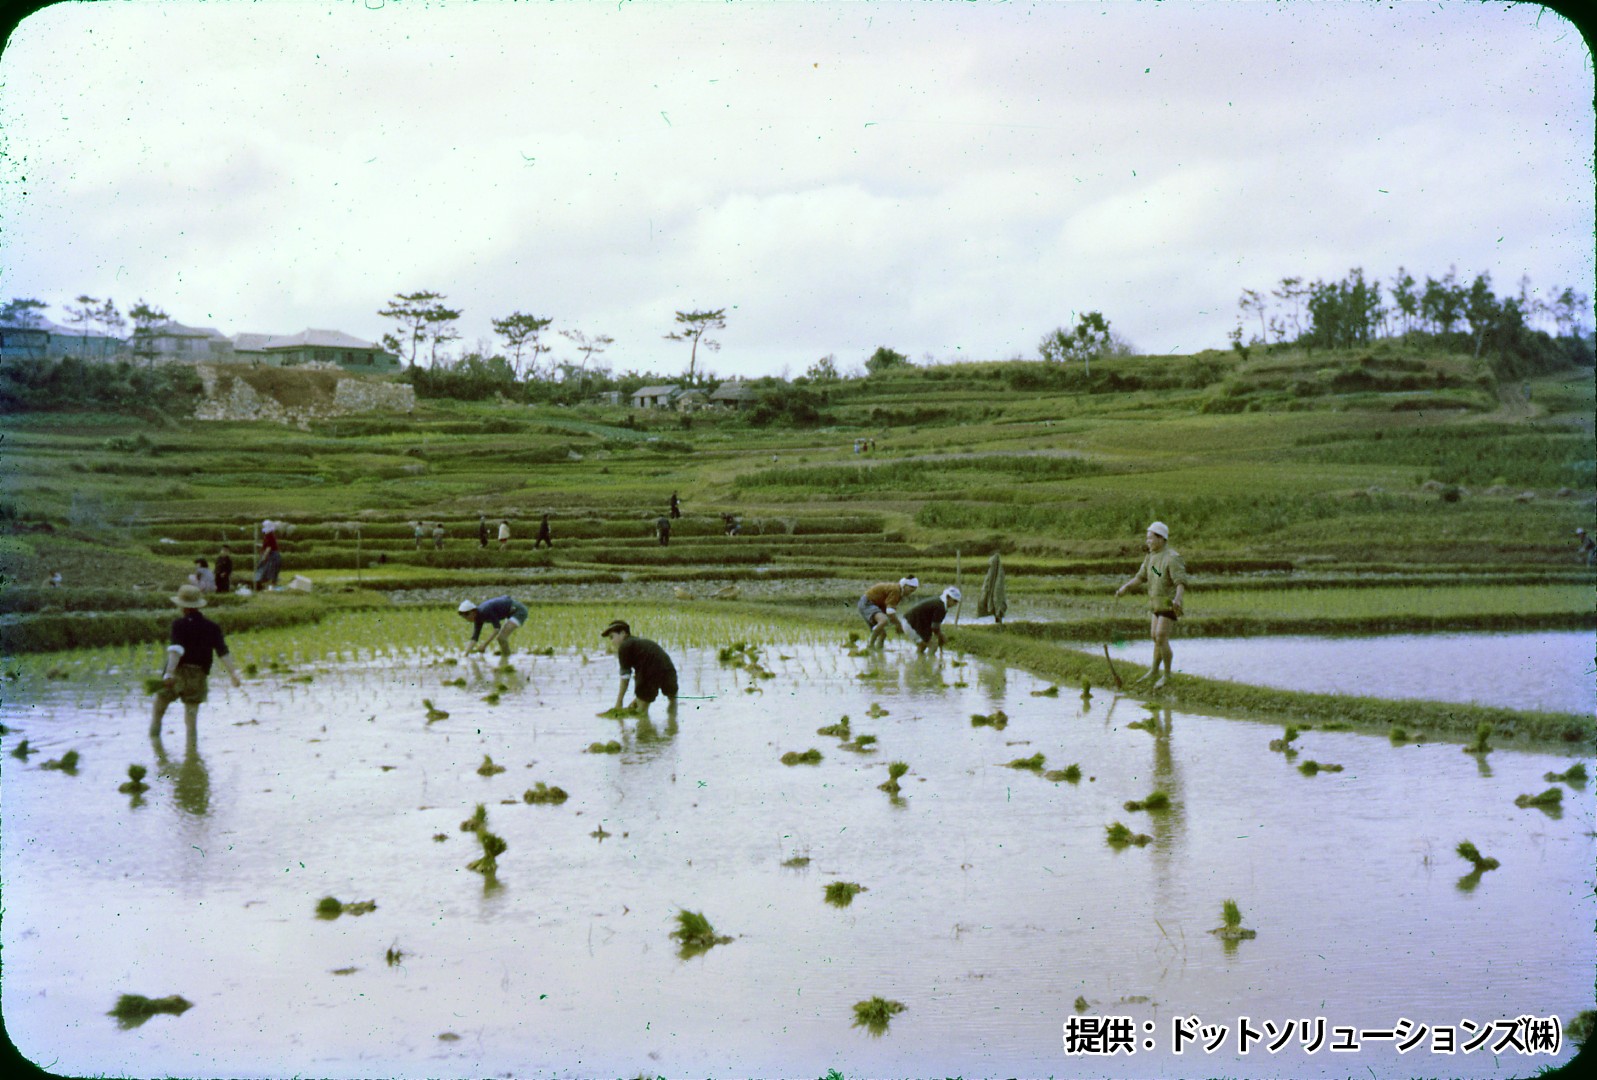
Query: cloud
x=944, y=179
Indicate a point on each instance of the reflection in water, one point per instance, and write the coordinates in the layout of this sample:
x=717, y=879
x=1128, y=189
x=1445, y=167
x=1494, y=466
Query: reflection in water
x=191, y=781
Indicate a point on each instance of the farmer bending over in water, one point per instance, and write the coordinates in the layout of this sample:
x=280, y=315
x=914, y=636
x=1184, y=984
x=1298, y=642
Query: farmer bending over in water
x=926, y=619
x=195, y=641
x=879, y=607
x=646, y=665
x=505, y=614
x=1166, y=576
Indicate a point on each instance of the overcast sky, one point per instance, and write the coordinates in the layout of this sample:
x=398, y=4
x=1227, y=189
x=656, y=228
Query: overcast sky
x=951, y=180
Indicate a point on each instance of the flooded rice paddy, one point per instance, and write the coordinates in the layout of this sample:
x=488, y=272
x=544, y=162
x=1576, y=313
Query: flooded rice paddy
x=992, y=908
x=1547, y=671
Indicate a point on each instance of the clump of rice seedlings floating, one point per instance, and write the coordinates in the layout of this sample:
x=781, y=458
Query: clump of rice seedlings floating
x=478, y=818
x=600, y=833
x=895, y=770
x=1310, y=768
x=838, y=730
x=1231, y=928
x=434, y=713
x=493, y=846
x=875, y=1014
x=1284, y=743
x=997, y=720
x=67, y=763
x=1082, y=1005
x=1156, y=801
x=329, y=907
x=1118, y=836
x=131, y=1010
x=842, y=893
x=461, y=683
x=1053, y=691
x=1397, y=735
x=611, y=747
x=542, y=793
x=861, y=744
x=1031, y=764
x=1471, y=853
x=695, y=935
x=440, y=837
x=22, y=750
x=797, y=860
x=1149, y=724
x=1070, y=774
x=135, y=784
x=1480, y=745
x=1551, y=797
x=488, y=768
x=394, y=955
x=1574, y=776
x=811, y=756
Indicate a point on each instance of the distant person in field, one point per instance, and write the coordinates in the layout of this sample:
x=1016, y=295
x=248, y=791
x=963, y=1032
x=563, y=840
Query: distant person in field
x=505, y=615
x=271, y=559
x=925, y=618
x=662, y=529
x=55, y=579
x=676, y=506
x=482, y=531
x=544, y=537
x=1166, y=576
x=731, y=524
x=224, y=570
x=195, y=642
x=645, y=665
x=1588, y=546
x=203, y=577
x=504, y=535
x=879, y=607
x=438, y=536
x=994, y=598
x=420, y=533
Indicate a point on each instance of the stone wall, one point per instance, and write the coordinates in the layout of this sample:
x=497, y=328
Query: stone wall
x=295, y=395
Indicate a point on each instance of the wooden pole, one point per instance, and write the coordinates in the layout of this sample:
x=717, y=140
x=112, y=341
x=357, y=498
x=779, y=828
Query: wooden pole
x=959, y=578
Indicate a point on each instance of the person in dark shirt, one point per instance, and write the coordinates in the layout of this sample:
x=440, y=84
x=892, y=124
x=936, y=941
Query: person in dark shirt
x=196, y=640
x=224, y=571
x=482, y=530
x=505, y=615
x=644, y=664
x=676, y=506
x=926, y=619
x=545, y=539
x=662, y=529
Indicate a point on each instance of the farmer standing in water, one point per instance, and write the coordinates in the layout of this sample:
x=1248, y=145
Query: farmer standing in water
x=1166, y=576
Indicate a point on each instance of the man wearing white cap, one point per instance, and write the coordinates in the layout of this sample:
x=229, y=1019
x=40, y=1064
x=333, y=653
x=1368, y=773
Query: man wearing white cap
x=926, y=618
x=879, y=607
x=503, y=613
x=1166, y=576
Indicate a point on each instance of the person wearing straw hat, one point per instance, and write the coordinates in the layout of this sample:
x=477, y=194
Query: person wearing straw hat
x=1166, y=576
x=647, y=666
x=879, y=607
x=196, y=641
x=503, y=613
x=926, y=617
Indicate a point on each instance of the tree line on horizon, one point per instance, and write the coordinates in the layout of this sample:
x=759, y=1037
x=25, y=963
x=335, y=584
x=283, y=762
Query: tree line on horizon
x=1352, y=312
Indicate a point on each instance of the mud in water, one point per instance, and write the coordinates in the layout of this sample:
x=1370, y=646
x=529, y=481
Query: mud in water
x=994, y=906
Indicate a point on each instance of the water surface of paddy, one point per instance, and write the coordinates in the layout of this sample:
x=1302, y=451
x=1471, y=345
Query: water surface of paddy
x=992, y=900
x=1545, y=671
